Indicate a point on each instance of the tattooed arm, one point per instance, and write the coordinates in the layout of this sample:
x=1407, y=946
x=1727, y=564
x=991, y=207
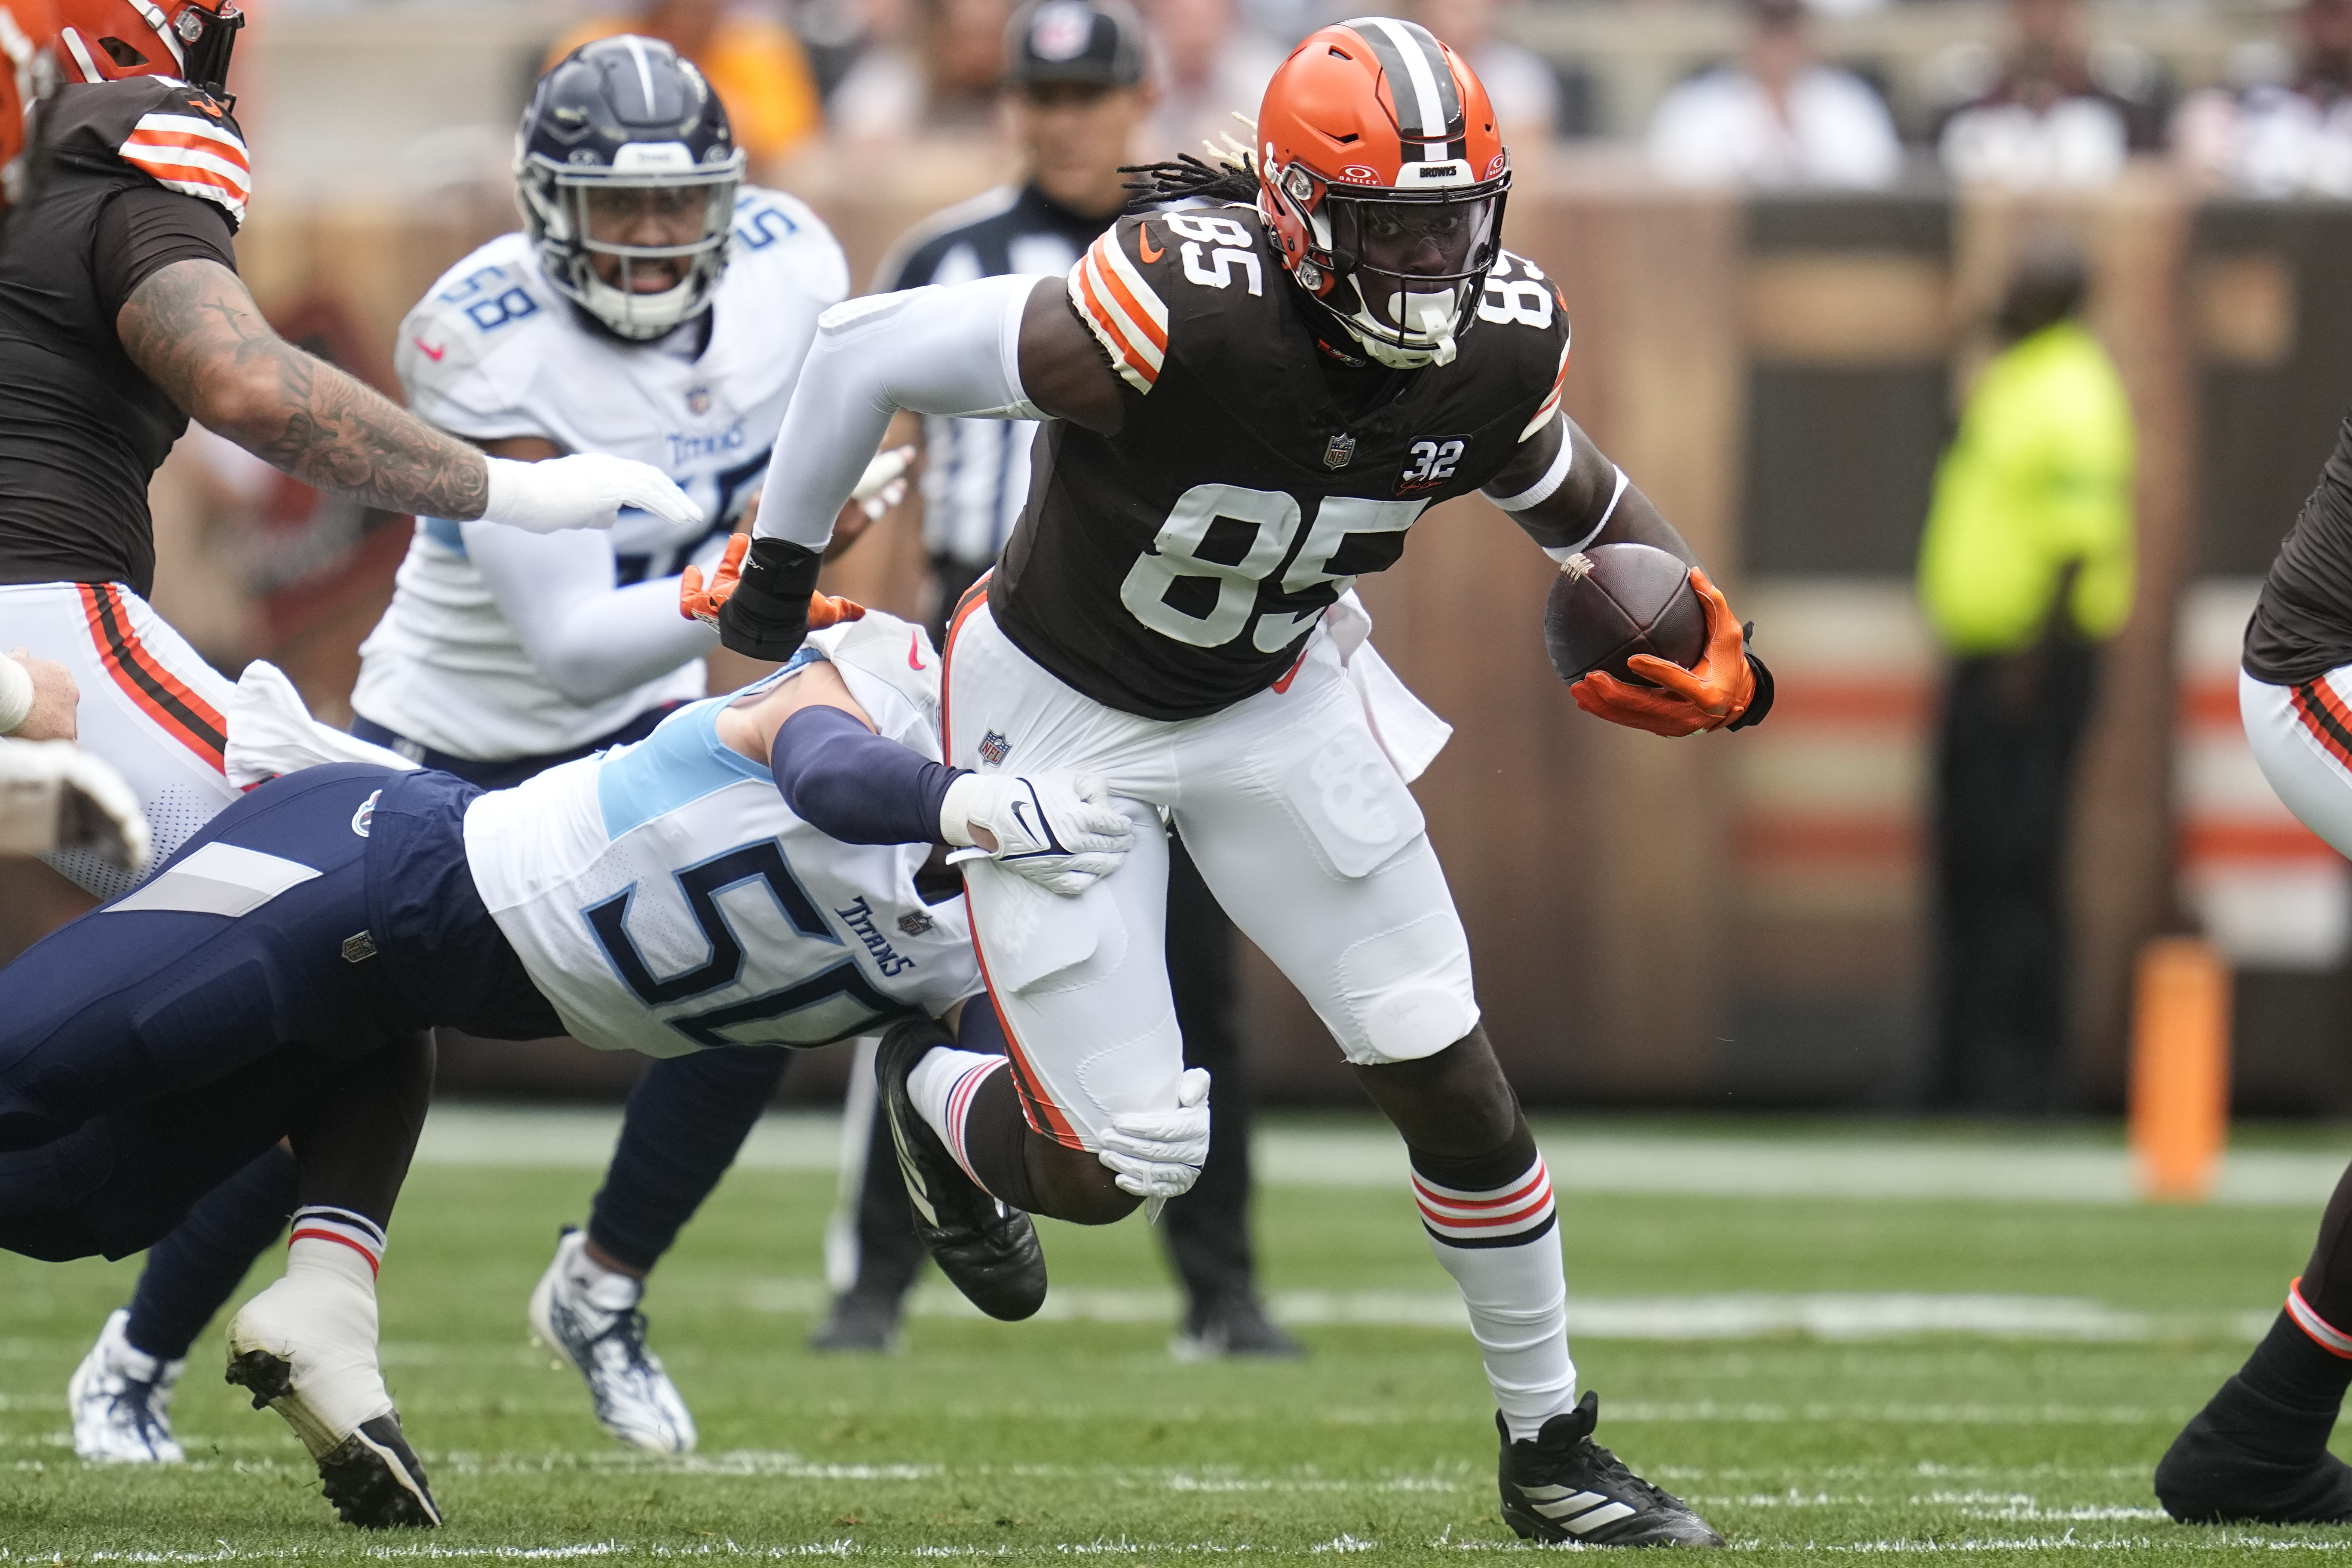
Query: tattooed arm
x=196, y=332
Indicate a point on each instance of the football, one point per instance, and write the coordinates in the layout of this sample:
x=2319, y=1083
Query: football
x=1615, y=601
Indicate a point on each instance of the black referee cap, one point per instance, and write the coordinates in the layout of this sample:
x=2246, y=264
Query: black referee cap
x=1097, y=42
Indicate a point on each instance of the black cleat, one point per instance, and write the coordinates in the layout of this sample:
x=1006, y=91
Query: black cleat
x=2241, y=1458
x=373, y=1476
x=1560, y=1486
x=859, y=1323
x=988, y=1249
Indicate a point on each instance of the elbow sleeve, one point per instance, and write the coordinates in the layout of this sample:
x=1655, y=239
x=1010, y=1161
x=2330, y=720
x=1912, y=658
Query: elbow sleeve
x=846, y=781
x=946, y=351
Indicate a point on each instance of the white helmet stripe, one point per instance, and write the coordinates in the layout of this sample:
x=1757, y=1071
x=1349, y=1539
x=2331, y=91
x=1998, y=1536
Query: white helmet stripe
x=80, y=52
x=644, y=71
x=1431, y=109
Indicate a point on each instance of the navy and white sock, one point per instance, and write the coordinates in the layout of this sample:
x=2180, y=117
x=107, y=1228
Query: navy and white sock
x=321, y=1233
x=1492, y=1226
x=943, y=1086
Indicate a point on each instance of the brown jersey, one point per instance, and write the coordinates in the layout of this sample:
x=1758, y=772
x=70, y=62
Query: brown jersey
x=133, y=175
x=1177, y=567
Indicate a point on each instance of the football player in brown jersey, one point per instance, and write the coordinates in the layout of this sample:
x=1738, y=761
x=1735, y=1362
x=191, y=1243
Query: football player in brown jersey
x=1246, y=406
x=122, y=318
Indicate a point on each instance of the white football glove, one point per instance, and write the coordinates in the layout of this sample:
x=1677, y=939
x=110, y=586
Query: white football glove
x=1062, y=834
x=587, y=490
x=884, y=483
x=55, y=796
x=1158, y=1154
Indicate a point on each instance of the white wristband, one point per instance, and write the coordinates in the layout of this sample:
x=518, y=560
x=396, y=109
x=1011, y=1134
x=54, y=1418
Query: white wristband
x=16, y=695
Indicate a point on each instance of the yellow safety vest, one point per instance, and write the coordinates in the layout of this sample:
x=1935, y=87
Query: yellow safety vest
x=2039, y=476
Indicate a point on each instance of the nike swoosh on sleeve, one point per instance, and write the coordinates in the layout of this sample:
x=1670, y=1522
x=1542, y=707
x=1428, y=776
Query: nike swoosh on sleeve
x=1143, y=245
x=429, y=351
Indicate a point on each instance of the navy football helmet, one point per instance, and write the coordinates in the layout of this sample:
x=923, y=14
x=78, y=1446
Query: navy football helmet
x=628, y=171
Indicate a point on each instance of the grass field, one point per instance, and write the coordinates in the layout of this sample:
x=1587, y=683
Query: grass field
x=1853, y=1372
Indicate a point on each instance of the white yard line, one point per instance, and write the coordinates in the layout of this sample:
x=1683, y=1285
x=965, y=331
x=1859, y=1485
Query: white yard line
x=1846, y=1315
x=1580, y=1160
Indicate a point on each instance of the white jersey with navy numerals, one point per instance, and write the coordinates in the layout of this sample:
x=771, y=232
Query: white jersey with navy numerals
x=492, y=351
x=665, y=898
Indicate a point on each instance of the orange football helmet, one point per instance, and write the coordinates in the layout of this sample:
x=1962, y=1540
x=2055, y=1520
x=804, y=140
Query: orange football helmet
x=1383, y=178
x=28, y=71
x=106, y=40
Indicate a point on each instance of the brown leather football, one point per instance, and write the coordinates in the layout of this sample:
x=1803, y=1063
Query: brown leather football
x=1615, y=601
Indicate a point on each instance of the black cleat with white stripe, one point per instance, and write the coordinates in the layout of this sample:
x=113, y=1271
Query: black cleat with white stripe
x=1561, y=1486
x=987, y=1249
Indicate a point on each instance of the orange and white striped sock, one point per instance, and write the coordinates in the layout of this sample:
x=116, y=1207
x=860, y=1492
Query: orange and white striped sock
x=1501, y=1243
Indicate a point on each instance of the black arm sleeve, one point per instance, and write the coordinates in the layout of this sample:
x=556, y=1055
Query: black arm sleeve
x=843, y=779
x=144, y=230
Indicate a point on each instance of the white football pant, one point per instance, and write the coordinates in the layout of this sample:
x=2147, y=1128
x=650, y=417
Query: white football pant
x=1301, y=826
x=2302, y=736
x=149, y=705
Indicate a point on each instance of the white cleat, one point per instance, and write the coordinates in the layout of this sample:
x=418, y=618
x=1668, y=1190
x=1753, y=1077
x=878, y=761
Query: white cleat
x=121, y=1402
x=305, y=1347
x=594, y=1324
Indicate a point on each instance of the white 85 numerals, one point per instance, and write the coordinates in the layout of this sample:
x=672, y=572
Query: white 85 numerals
x=1525, y=298
x=1233, y=251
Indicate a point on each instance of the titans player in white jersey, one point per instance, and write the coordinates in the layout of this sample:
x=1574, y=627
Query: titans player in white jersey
x=654, y=308
x=749, y=874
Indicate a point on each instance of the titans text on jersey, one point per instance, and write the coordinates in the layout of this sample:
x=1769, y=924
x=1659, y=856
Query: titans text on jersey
x=666, y=900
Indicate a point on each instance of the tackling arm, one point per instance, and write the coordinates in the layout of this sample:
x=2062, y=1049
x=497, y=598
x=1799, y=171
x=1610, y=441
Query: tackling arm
x=198, y=333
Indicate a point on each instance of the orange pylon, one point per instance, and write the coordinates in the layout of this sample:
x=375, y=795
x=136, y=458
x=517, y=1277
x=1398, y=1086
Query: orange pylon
x=2179, y=1068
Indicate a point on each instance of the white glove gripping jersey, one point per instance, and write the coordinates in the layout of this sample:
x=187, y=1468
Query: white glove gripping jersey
x=665, y=898
x=493, y=351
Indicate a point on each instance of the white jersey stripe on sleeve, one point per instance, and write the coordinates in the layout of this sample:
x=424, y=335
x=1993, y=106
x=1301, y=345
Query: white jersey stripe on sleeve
x=192, y=125
x=150, y=157
x=1124, y=313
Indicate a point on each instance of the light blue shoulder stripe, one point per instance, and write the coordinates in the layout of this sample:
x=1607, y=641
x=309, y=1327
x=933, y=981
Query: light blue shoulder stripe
x=682, y=761
x=445, y=533
x=676, y=766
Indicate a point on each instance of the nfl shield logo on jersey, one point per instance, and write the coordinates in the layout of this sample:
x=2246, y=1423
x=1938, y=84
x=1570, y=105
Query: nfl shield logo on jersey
x=1341, y=452
x=994, y=749
x=697, y=400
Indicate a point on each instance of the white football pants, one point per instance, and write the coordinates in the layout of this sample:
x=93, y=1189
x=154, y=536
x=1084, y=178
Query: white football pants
x=1301, y=826
x=149, y=706
x=2302, y=736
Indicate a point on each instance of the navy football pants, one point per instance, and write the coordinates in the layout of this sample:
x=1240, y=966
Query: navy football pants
x=146, y=1057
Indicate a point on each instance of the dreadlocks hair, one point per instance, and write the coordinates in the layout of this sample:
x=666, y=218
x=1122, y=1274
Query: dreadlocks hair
x=1190, y=179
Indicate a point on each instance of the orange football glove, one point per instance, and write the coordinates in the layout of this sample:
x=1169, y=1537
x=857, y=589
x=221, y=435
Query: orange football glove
x=695, y=603
x=827, y=611
x=1708, y=696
